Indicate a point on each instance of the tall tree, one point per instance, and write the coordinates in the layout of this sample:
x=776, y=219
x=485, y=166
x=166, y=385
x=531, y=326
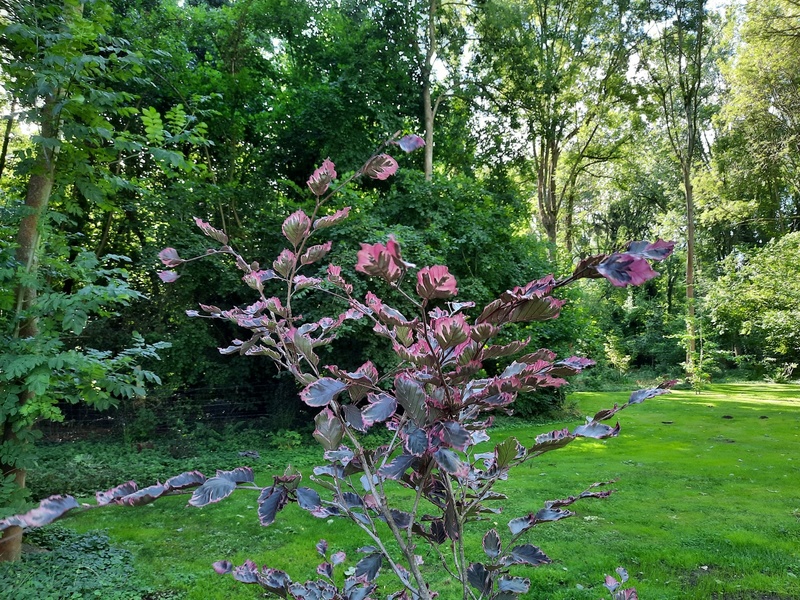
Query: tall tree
x=554, y=67
x=60, y=65
x=680, y=64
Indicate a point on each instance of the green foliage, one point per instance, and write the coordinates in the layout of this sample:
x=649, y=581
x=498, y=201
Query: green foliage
x=64, y=564
x=753, y=304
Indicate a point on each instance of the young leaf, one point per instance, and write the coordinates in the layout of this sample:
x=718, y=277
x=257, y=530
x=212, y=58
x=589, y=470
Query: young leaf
x=48, y=511
x=369, y=566
x=381, y=407
x=526, y=554
x=115, y=493
x=271, y=500
x=329, y=431
x=296, y=227
x=381, y=167
x=322, y=392
x=185, y=480
x=491, y=544
x=213, y=490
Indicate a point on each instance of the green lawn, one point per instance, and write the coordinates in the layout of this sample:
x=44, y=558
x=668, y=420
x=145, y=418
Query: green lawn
x=707, y=506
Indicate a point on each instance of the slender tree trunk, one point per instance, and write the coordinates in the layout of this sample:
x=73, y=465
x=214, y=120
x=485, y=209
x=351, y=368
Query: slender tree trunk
x=7, y=137
x=691, y=333
x=427, y=85
x=40, y=184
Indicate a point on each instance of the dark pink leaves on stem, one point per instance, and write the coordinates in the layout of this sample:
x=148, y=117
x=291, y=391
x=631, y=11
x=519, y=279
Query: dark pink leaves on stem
x=381, y=261
x=436, y=282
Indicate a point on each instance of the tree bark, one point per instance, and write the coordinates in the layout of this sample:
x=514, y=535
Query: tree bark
x=37, y=196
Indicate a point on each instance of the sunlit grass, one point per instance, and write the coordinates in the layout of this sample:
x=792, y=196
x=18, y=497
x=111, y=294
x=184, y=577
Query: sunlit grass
x=706, y=506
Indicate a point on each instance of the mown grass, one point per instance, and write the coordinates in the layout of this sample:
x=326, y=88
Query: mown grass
x=707, y=505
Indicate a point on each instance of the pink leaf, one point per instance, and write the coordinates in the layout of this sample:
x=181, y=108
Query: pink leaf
x=210, y=231
x=436, y=282
x=381, y=261
x=331, y=220
x=322, y=177
x=381, y=167
x=296, y=227
x=169, y=257
x=168, y=276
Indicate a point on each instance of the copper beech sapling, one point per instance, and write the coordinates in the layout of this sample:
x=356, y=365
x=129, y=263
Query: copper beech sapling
x=437, y=403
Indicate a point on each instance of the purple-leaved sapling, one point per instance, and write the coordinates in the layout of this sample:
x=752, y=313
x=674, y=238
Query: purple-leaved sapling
x=437, y=403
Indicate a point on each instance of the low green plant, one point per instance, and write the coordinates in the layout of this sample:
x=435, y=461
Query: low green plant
x=63, y=564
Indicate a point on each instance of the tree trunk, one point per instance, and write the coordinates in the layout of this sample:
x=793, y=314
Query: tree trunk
x=427, y=84
x=7, y=137
x=691, y=334
x=37, y=196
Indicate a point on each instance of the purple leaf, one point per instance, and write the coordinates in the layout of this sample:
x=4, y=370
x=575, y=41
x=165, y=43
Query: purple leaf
x=338, y=558
x=168, y=276
x=623, y=574
x=315, y=253
x=369, y=566
x=551, y=440
x=642, y=395
x=238, y=475
x=381, y=167
x=353, y=417
x=409, y=143
x=626, y=269
x=246, y=573
x=329, y=431
x=411, y=397
x=658, y=250
x=415, y=440
x=401, y=518
x=596, y=430
x=169, y=258
x=145, y=495
x=448, y=461
x=322, y=392
x=271, y=500
x=548, y=515
x=322, y=547
x=514, y=585
x=185, y=480
x=325, y=569
x=526, y=554
x=48, y=511
x=381, y=407
x=436, y=282
x=275, y=581
x=453, y=435
x=479, y=578
x=213, y=490
x=308, y=499
x=491, y=544
x=396, y=468
x=114, y=493
x=331, y=220
x=223, y=566
x=296, y=227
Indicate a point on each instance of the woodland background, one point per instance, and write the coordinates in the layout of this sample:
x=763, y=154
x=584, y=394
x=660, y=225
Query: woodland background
x=555, y=129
